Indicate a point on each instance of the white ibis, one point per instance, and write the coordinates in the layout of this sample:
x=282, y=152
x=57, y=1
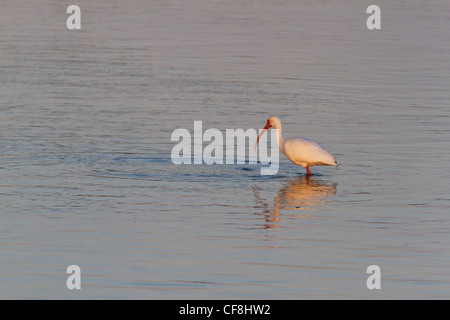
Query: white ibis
x=300, y=151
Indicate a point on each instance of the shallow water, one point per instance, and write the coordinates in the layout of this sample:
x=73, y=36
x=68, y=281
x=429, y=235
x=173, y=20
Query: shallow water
x=86, y=175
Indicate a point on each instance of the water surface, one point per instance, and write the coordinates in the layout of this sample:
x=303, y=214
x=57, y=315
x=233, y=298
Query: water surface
x=86, y=175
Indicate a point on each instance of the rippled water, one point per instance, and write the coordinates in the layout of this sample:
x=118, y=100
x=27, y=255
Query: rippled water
x=86, y=175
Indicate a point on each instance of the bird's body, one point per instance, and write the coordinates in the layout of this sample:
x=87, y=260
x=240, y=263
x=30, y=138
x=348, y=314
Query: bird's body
x=301, y=151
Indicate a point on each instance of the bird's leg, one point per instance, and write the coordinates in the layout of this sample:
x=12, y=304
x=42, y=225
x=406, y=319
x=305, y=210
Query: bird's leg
x=308, y=171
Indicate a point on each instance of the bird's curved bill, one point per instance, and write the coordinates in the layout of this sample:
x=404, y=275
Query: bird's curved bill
x=262, y=132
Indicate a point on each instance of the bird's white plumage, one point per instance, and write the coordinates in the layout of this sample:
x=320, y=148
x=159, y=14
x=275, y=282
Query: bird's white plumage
x=305, y=152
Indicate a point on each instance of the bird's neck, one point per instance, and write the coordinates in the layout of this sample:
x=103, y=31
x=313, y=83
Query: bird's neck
x=279, y=138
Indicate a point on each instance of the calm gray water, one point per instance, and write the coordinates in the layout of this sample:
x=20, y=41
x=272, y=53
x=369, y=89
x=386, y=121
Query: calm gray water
x=86, y=175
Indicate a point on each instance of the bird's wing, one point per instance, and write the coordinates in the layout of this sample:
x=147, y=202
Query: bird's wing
x=306, y=152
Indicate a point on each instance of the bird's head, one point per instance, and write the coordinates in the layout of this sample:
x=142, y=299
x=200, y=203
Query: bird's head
x=272, y=122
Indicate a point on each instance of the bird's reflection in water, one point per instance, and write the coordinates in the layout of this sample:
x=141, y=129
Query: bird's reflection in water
x=300, y=193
